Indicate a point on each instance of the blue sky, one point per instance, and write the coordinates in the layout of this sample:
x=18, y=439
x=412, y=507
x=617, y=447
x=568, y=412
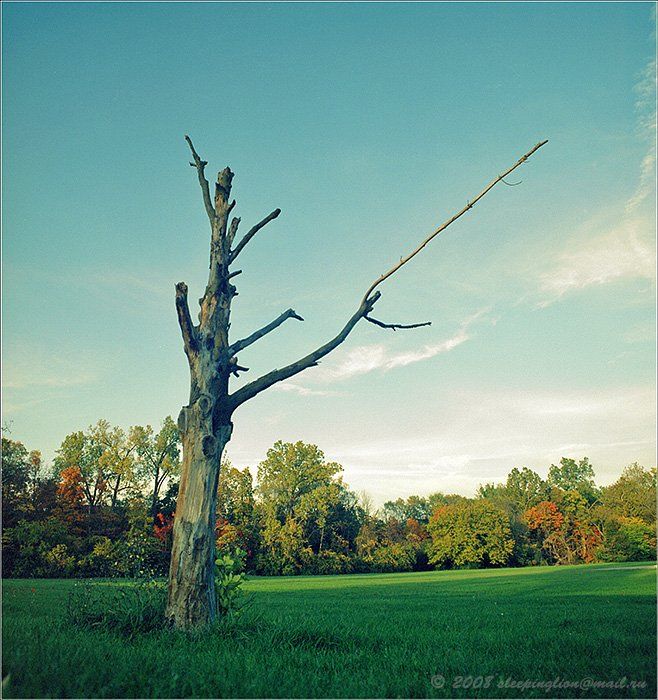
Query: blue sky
x=367, y=124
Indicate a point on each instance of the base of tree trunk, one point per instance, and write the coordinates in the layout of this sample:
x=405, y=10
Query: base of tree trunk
x=191, y=598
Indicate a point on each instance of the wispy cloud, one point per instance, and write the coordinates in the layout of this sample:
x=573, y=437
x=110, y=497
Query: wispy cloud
x=624, y=248
x=624, y=252
x=22, y=381
x=368, y=358
x=26, y=368
x=645, y=107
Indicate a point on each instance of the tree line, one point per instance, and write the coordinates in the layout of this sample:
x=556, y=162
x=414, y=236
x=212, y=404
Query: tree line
x=106, y=507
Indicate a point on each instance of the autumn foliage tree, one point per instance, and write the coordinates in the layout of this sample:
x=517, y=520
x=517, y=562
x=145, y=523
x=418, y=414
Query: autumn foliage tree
x=70, y=497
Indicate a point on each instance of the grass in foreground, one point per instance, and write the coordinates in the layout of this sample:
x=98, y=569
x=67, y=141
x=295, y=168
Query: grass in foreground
x=391, y=635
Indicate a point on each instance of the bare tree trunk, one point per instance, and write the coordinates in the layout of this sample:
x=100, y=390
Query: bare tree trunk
x=115, y=492
x=191, y=576
x=156, y=492
x=205, y=423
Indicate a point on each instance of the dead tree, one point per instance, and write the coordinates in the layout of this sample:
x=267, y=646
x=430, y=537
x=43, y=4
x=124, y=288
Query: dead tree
x=206, y=422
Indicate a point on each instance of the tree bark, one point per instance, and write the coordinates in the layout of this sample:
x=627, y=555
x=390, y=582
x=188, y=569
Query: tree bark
x=115, y=492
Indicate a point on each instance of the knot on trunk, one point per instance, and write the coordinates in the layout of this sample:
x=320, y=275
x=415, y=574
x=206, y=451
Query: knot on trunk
x=182, y=421
x=205, y=404
x=208, y=445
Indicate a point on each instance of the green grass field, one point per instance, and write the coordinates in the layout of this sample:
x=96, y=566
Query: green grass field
x=395, y=635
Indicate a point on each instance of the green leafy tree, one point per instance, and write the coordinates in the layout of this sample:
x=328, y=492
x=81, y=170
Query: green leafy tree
x=330, y=517
x=438, y=499
x=633, y=495
x=402, y=509
x=570, y=475
x=81, y=451
x=117, y=458
x=158, y=456
x=525, y=488
x=630, y=539
x=306, y=510
x=105, y=456
x=236, y=502
x=20, y=469
x=26, y=546
x=470, y=534
x=289, y=471
x=284, y=550
x=238, y=518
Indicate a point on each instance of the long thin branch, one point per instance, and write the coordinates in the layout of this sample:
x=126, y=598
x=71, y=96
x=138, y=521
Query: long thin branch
x=245, y=342
x=444, y=226
x=251, y=233
x=278, y=375
x=395, y=326
x=184, y=319
x=365, y=307
x=205, y=187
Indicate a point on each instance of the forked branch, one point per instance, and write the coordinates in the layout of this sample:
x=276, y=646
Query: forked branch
x=205, y=187
x=246, y=342
x=251, y=233
x=185, y=320
x=233, y=229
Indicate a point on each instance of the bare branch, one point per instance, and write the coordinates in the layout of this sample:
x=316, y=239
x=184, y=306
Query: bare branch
x=395, y=326
x=233, y=229
x=241, y=344
x=205, y=187
x=184, y=319
x=278, y=375
x=234, y=274
x=469, y=205
x=236, y=368
x=251, y=233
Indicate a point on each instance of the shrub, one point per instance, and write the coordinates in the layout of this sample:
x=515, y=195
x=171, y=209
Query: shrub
x=101, y=561
x=59, y=562
x=327, y=562
x=228, y=584
x=389, y=559
x=28, y=548
x=128, y=609
x=139, y=554
x=630, y=539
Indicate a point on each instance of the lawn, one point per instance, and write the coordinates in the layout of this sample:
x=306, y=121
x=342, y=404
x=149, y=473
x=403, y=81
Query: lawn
x=390, y=635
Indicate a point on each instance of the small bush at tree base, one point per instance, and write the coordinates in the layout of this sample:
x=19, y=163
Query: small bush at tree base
x=228, y=583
